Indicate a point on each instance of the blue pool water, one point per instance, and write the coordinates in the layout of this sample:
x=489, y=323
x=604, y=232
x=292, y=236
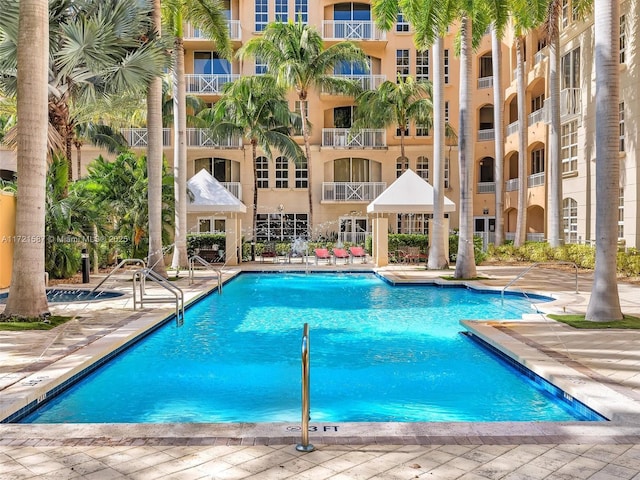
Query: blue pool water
x=378, y=353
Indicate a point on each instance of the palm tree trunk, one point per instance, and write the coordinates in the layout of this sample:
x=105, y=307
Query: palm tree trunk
x=555, y=235
x=604, y=304
x=465, y=262
x=27, y=293
x=498, y=122
x=307, y=152
x=180, y=158
x=154, y=163
x=254, y=157
x=521, y=221
x=437, y=258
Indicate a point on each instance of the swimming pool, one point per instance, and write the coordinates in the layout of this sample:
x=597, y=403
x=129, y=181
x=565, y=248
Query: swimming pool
x=378, y=353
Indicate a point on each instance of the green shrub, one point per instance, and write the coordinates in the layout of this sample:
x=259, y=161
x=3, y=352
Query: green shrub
x=205, y=241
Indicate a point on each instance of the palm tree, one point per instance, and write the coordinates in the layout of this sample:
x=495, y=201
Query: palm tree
x=498, y=122
x=256, y=108
x=27, y=292
x=397, y=104
x=207, y=15
x=294, y=53
x=604, y=304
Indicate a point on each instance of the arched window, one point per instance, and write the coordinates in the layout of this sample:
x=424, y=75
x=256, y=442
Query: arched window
x=402, y=164
x=570, y=220
x=282, y=172
x=262, y=172
x=422, y=167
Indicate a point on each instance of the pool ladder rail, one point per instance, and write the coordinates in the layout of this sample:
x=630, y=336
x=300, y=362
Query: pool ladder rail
x=528, y=269
x=198, y=259
x=140, y=278
x=123, y=263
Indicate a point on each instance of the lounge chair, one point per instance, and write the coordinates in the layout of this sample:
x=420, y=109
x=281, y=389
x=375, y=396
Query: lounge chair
x=322, y=254
x=358, y=252
x=340, y=253
x=269, y=251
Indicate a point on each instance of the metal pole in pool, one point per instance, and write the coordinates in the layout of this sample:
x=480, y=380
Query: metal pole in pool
x=304, y=445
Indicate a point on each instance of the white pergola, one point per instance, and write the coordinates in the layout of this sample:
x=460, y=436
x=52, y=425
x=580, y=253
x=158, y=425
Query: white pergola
x=410, y=193
x=210, y=196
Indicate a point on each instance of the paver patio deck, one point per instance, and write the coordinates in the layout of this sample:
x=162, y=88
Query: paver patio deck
x=602, y=366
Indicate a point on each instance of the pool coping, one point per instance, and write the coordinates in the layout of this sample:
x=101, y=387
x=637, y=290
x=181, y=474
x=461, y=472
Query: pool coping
x=622, y=410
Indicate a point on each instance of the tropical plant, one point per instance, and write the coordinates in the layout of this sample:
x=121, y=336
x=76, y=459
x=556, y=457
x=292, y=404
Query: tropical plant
x=604, y=304
x=256, y=108
x=397, y=104
x=97, y=49
x=27, y=292
x=208, y=15
x=295, y=54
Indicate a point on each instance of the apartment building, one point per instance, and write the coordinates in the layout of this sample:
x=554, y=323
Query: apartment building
x=350, y=169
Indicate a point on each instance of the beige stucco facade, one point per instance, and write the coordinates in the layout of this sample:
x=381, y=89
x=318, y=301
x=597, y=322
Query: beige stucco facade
x=7, y=232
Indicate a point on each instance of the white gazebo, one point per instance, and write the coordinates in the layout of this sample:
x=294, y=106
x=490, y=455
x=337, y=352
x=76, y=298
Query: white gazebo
x=210, y=196
x=410, y=193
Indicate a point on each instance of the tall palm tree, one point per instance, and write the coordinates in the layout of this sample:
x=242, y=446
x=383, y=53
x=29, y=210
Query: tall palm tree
x=255, y=107
x=498, y=122
x=604, y=304
x=154, y=159
x=27, y=293
x=208, y=15
x=294, y=53
x=397, y=104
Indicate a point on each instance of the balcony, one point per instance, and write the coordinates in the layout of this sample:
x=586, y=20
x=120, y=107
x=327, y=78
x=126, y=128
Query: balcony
x=194, y=33
x=513, y=128
x=351, y=191
x=347, y=138
x=538, y=57
x=234, y=187
x=208, y=84
x=486, y=135
x=535, y=180
x=351, y=30
x=485, y=82
x=512, y=185
x=137, y=137
x=366, y=82
x=537, y=116
x=203, y=137
x=486, y=187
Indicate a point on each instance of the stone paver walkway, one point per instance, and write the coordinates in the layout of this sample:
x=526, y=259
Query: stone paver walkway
x=605, y=364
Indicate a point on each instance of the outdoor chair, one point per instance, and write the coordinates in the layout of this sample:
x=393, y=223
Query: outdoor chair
x=414, y=255
x=322, y=254
x=340, y=253
x=269, y=251
x=358, y=252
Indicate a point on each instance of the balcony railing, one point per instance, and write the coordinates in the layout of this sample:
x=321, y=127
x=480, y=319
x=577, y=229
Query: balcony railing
x=486, y=187
x=485, y=82
x=486, y=135
x=535, y=180
x=234, y=187
x=512, y=185
x=351, y=191
x=351, y=30
x=570, y=103
x=513, y=128
x=531, y=237
x=366, y=82
x=346, y=138
x=538, y=57
x=137, y=137
x=357, y=238
x=537, y=116
x=203, y=137
x=194, y=33
x=208, y=84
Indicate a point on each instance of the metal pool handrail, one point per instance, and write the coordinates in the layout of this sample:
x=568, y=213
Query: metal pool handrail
x=126, y=261
x=527, y=270
x=203, y=262
x=176, y=291
x=304, y=445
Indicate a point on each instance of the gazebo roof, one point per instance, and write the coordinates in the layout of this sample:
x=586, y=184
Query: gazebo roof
x=211, y=196
x=410, y=193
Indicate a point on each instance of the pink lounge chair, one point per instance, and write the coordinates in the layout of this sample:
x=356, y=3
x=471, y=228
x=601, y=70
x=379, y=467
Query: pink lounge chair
x=322, y=254
x=340, y=253
x=358, y=252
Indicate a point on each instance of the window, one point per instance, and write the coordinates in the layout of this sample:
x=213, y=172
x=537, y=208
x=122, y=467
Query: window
x=571, y=69
x=486, y=171
x=621, y=123
x=422, y=167
x=623, y=38
x=211, y=225
x=446, y=66
x=422, y=130
x=413, y=223
x=352, y=21
x=399, y=131
x=282, y=11
x=621, y=214
x=570, y=220
x=402, y=64
x=261, y=66
x=537, y=103
x=209, y=63
x=301, y=11
x=402, y=164
x=446, y=111
x=537, y=161
x=302, y=174
x=261, y=15
x=565, y=13
x=222, y=169
x=296, y=108
x=569, y=147
x=486, y=66
x=281, y=226
x=262, y=172
x=282, y=172
x=446, y=172
x=422, y=65
x=357, y=170
x=402, y=25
